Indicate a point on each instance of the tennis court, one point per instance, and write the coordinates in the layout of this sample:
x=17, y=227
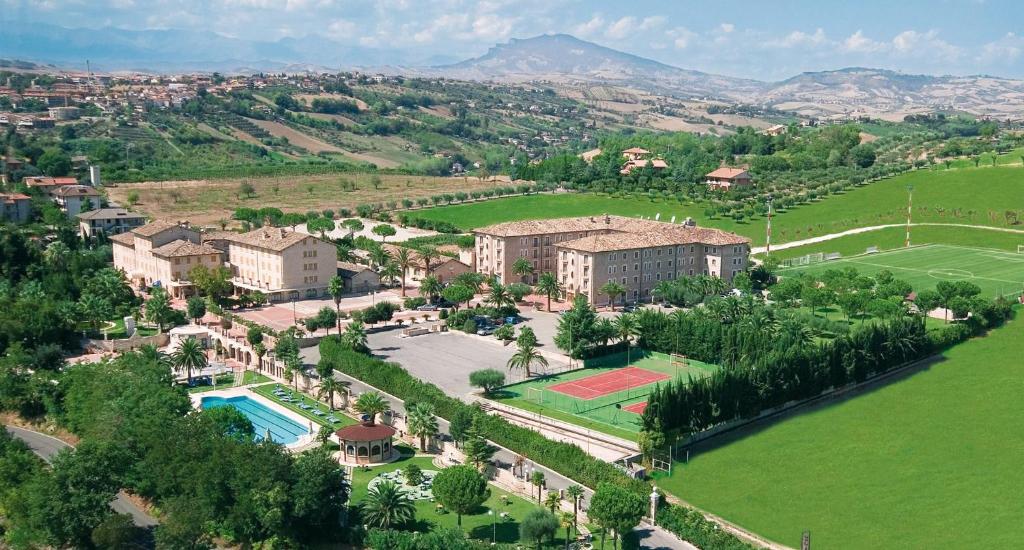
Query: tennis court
x=608, y=382
x=611, y=397
x=996, y=272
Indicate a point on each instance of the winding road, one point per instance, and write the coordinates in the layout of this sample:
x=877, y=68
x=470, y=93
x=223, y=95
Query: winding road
x=48, y=446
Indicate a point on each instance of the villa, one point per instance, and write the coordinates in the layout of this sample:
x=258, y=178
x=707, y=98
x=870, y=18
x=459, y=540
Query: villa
x=725, y=179
x=585, y=253
x=110, y=221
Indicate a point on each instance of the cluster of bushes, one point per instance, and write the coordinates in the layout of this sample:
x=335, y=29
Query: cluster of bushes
x=427, y=223
x=458, y=319
x=381, y=312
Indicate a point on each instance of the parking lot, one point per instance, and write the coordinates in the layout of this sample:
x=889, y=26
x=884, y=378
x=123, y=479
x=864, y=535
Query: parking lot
x=443, y=359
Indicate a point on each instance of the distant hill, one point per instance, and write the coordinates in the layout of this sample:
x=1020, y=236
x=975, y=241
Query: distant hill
x=553, y=55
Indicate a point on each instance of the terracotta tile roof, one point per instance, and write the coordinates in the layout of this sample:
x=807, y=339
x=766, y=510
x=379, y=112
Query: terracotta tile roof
x=75, y=191
x=179, y=248
x=154, y=228
x=541, y=227
x=12, y=197
x=126, y=239
x=728, y=173
x=270, y=238
x=364, y=432
x=635, y=151
x=352, y=267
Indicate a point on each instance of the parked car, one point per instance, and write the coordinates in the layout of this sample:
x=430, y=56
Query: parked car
x=486, y=330
x=428, y=307
x=513, y=320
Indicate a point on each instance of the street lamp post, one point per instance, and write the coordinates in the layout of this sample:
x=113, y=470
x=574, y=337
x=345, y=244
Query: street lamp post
x=910, y=201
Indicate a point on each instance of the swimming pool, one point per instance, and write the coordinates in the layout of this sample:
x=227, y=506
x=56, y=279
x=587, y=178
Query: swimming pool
x=283, y=430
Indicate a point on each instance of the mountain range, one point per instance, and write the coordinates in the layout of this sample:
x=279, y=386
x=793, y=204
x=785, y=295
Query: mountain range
x=555, y=57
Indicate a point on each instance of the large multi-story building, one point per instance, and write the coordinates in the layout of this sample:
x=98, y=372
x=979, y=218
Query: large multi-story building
x=586, y=253
x=110, y=221
x=283, y=265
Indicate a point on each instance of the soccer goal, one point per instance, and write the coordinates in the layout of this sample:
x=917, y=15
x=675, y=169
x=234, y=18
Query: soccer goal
x=678, y=363
x=535, y=394
x=1020, y=249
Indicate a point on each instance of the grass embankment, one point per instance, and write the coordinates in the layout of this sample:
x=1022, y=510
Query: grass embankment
x=928, y=461
x=267, y=391
x=976, y=196
x=477, y=525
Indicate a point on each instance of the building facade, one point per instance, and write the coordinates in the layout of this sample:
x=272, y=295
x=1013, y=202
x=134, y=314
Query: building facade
x=586, y=253
x=15, y=207
x=110, y=221
x=162, y=254
x=725, y=179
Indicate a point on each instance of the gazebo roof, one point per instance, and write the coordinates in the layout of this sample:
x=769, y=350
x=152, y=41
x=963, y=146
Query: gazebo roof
x=365, y=432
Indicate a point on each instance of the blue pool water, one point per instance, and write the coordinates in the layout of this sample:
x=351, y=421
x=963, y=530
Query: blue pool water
x=283, y=430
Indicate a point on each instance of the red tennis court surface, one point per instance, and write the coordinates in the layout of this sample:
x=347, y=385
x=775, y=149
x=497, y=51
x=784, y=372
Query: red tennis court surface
x=608, y=382
x=636, y=408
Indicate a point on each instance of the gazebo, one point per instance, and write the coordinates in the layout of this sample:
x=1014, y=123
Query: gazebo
x=366, y=443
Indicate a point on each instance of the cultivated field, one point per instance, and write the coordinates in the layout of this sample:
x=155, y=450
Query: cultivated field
x=928, y=461
x=894, y=237
x=976, y=196
x=206, y=202
x=608, y=398
x=995, y=271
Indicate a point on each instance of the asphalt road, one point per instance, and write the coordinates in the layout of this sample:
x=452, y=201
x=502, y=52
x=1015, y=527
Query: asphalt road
x=655, y=538
x=47, y=446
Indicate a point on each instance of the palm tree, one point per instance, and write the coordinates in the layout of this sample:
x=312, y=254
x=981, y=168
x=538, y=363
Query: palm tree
x=612, y=290
x=527, y=356
x=158, y=308
x=390, y=272
x=336, y=288
x=330, y=386
x=294, y=367
x=387, y=505
x=421, y=422
x=371, y=404
x=430, y=286
x=567, y=521
x=56, y=255
x=576, y=493
x=627, y=328
x=523, y=268
x=549, y=286
x=355, y=336
x=665, y=290
x=188, y=357
x=151, y=353
x=552, y=501
x=537, y=480
x=404, y=260
x=378, y=256
x=260, y=350
x=427, y=255
x=471, y=280
x=499, y=296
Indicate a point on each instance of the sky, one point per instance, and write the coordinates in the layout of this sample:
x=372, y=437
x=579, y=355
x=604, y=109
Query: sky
x=763, y=39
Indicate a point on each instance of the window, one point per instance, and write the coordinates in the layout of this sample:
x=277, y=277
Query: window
x=657, y=276
x=536, y=241
x=623, y=268
x=657, y=265
x=636, y=254
x=636, y=279
x=611, y=256
x=623, y=280
x=611, y=269
x=669, y=263
x=636, y=267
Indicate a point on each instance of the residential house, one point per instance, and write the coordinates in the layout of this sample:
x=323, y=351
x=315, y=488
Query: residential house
x=110, y=221
x=585, y=253
x=15, y=207
x=725, y=179
x=357, y=277
x=74, y=199
x=162, y=253
x=284, y=265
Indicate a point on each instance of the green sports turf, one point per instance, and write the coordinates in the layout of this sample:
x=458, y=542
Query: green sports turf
x=997, y=272
x=895, y=237
x=929, y=460
x=600, y=413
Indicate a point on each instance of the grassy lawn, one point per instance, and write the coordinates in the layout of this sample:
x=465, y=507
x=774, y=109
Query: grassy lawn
x=945, y=196
x=228, y=380
x=894, y=237
x=267, y=391
x=996, y=272
x=477, y=525
x=116, y=330
x=928, y=461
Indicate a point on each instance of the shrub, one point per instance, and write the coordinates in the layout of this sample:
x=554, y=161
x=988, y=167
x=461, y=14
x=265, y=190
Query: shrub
x=469, y=326
x=414, y=302
x=443, y=314
x=505, y=332
x=487, y=379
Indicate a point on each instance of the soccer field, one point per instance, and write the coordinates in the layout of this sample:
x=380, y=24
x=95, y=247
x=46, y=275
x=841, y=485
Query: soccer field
x=930, y=459
x=996, y=272
x=608, y=398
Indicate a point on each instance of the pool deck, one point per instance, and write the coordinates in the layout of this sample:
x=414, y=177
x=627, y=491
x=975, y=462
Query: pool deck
x=244, y=391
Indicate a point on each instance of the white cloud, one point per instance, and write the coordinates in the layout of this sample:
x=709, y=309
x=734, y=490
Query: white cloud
x=1005, y=50
x=342, y=27
x=727, y=27
x=800, y=39
x=924, y=44
x=681, y=37
x=652, y=22
x=858, y=43
x=621, y=28
x=589, y=28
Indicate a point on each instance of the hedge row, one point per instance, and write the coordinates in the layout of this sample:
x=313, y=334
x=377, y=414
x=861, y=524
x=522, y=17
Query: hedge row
x=566, y=459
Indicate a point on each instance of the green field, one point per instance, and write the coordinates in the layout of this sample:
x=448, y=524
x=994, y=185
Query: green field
x=477, y=525
x=929, y=461
x=975, y=196
x=601, y=413
x=893, y=237
x=995, y=271
x=228, y=380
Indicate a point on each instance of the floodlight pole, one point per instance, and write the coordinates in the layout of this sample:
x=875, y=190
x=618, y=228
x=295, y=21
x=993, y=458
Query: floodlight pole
x=910, y=201
x=768, y=229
